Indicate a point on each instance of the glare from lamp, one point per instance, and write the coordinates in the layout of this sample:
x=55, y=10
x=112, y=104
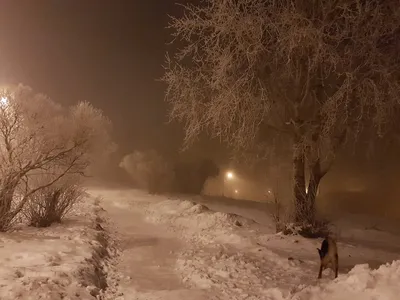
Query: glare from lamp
x=229, y=175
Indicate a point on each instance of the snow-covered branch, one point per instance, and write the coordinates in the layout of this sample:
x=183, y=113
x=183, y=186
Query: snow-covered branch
x=244, y=62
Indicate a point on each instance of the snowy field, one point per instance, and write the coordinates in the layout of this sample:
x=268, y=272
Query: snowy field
x=64, y=261
x=218, y=251
x=122, y=244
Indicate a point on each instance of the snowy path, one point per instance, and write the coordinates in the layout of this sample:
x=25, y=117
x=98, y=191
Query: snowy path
x=148, y=255
x=176, y=249
x=157, y=258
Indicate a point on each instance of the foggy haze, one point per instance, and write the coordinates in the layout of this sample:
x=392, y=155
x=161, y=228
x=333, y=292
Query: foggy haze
x=205, y=149
x=111, y=54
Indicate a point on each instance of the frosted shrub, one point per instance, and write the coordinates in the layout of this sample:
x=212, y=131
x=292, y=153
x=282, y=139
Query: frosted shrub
x=51, y=204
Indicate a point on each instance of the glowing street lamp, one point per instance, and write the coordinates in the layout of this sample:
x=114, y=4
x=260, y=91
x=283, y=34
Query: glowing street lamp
x=229, y=175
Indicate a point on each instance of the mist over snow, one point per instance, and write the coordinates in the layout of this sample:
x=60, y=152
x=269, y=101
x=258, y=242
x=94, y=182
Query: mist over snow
x=206, y=150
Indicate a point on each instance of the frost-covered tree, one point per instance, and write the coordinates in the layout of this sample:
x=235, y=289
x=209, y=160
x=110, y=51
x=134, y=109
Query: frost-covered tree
x=310, y=73
x=149, y=170
x=41, y=142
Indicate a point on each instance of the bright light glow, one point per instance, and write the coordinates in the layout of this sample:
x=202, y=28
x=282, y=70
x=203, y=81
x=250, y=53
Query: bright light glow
x=236, y=191
x=269, y=192
x=229, y=175
x=4, y=101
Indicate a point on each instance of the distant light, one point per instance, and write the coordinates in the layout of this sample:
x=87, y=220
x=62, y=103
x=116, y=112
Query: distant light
x=236, y=191
x=229, y=175
x=4, y=101
x=269, y=192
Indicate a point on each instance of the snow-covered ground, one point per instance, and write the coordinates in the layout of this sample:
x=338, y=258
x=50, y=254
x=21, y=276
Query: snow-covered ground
x=173, y=248
x=64, y=261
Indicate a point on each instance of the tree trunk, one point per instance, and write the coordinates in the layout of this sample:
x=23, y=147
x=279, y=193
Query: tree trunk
x=299, y=186
x=7, y=189
x=312, y=191
x=316, y=174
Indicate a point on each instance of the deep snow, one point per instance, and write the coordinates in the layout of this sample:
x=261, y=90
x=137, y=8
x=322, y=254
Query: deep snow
x=172, y=248
x=64, y=261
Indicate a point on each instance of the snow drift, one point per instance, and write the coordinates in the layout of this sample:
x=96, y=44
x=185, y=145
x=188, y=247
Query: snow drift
x=361, y=283
x=63, y=261
x=237, y=257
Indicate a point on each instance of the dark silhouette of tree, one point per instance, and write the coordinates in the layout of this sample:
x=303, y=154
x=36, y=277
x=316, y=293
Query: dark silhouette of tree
x=190, y=177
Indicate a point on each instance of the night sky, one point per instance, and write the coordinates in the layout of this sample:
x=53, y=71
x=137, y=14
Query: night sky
x=107, y=52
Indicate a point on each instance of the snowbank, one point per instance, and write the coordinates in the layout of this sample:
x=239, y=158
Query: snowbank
x=361, y=283
x=234, y=256
x=196, y=223
x=63, y=261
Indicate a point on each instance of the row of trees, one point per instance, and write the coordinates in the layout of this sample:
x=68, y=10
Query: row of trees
x=150, y=171
x=45, y=150
x=304, y=76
